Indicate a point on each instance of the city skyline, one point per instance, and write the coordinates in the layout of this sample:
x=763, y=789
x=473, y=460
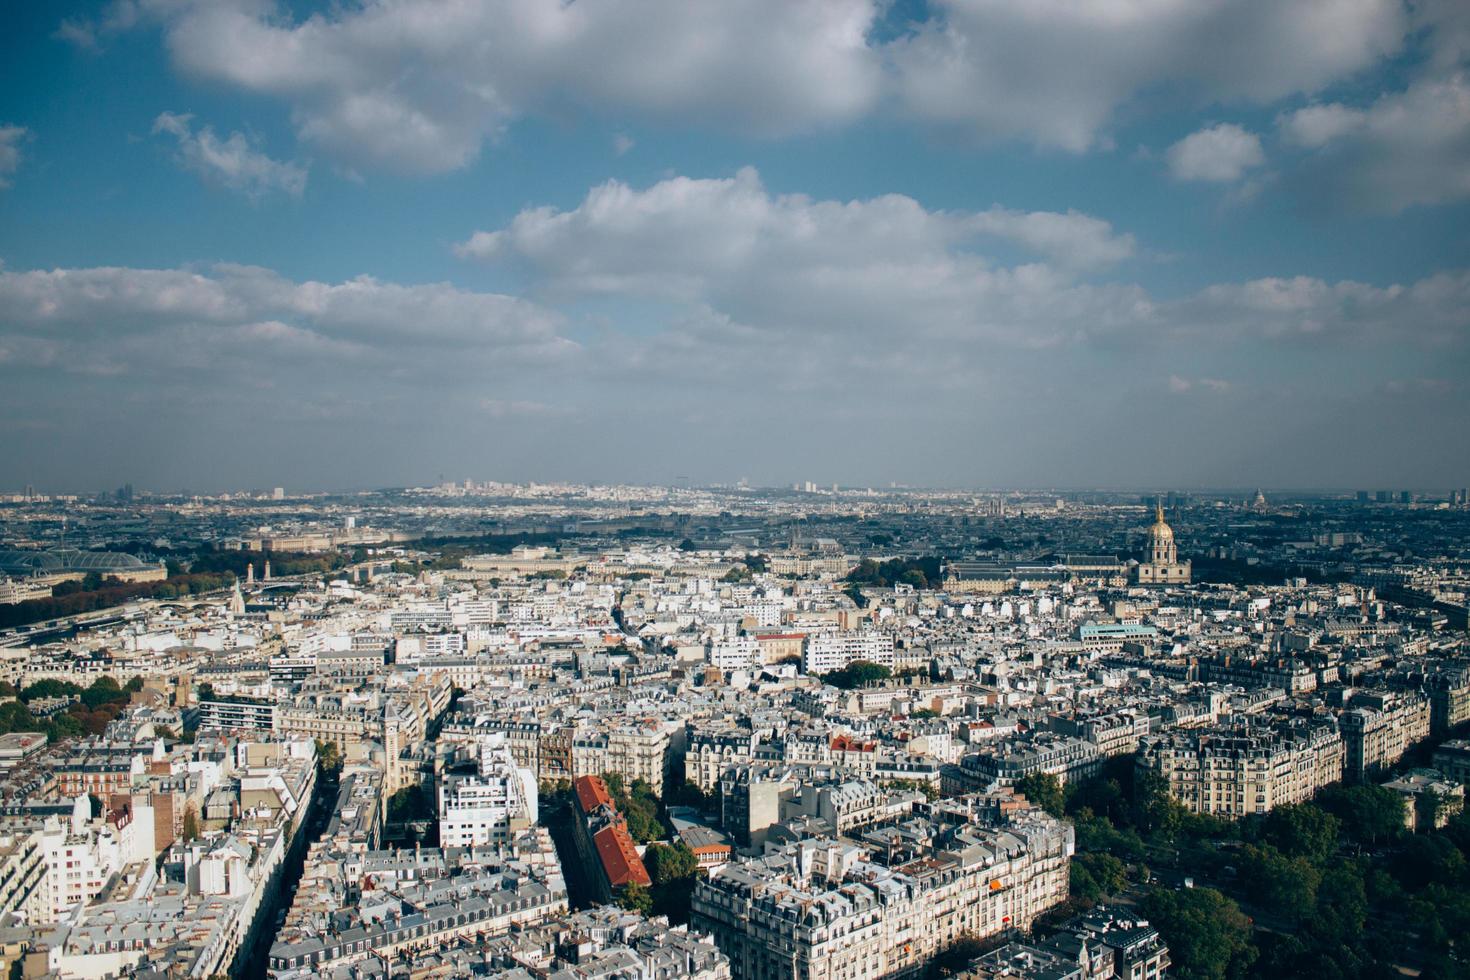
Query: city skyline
x=1163, y=245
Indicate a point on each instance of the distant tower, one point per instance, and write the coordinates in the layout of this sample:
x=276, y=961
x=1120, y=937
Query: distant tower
x=267, y=576
x=250, y=574
x=1259, y=503
x=237, y=601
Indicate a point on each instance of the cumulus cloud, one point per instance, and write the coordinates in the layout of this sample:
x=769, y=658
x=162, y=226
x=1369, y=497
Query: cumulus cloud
x=419, y=85
x=232, y=162
x=158, y=320
x=749, y=266
x=11, y=137
x=1055, y=72
x=1404, y=149
x=1220, y=154
x=687, y=237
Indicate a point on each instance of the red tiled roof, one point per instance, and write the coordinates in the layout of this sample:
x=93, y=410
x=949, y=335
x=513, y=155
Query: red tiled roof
x=842, y=743
x=620, y=857
x=592, y=793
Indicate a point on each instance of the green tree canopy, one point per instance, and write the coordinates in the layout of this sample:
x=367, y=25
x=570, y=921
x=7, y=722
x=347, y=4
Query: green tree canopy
x=1368, y=814
x=1043, y=789
x=635, y=898
x=667, y=863
x=1209, y=937
x=859, y=673
x=1301, y=830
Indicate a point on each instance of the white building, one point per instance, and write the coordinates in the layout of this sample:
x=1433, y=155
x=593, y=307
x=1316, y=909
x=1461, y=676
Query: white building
x=825, y=653
x=490, y=806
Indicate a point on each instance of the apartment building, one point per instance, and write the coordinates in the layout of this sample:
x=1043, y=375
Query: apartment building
x=826, y=652
x=1379, y=727
x=1234, y=771
x=827, y=910
x=490, y=806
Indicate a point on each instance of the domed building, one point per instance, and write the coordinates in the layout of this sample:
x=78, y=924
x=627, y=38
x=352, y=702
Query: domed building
x=61, y=564
x=1163, y=566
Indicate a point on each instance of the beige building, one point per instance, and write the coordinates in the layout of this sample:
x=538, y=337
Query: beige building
x=827, y=910
x=1163, y=566
x=1379, y=728
x=1242, y=770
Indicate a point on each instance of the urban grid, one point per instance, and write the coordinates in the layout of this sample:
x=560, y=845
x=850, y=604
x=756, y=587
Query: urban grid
x=734, y=489
x=562, y=731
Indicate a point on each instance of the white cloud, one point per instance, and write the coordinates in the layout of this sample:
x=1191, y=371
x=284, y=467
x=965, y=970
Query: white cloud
x=1406, y=148
x=414, y=85
x=1319, y=124
x=195, y=367
x=154, y=320
x=749, y=269
x=11, y=138
x=1179, y=385
x=1056, y=71
x=501, y=408
x=692, y=239
x=1220, y=153
x=1071, y=239
x=622, y=143
x=419, y=85
x=232, y=162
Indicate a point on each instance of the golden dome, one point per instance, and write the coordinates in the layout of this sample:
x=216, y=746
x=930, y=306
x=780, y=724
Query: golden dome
x=1160, y=531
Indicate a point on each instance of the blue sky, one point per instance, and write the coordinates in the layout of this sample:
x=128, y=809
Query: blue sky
x=1068, y=243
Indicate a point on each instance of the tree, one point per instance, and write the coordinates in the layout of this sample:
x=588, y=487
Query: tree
x=49, y=688
x=635, y=898
x=914, y=577
x=328, y=758
x=638, y=805
x=1155, y=811
x=1428, y=859
x=98, y=807
x=191, y=823
x=104, y=690
x=859, y=673
x=1096, y=877
x=1369, y=814
x=667, y=863
x=1043, y=789
x=134, y=686
x=1285, y=885
x=1209, y=937
x=690, y=795
x=1301, y=830
x=412, y=802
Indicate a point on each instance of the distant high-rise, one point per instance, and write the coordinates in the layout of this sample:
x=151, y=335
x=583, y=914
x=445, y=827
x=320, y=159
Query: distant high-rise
x=1362, y=496
x=279, y=493
x=1406, y=497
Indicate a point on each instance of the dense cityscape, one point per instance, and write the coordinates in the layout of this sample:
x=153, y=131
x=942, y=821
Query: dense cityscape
x=563, y=731
x=734, y=490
